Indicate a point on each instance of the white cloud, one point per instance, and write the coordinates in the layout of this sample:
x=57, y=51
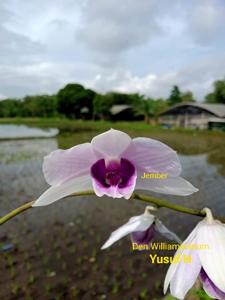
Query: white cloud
x=197, y=77
x=207, y=21
x=145, y=46
x=46, y=77
x=114, y=26
x=15, y=47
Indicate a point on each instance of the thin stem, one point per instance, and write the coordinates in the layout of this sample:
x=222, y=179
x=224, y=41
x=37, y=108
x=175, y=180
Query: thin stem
x=28, y=205
x=163, y=203
x=16, y=212
x=145, y=198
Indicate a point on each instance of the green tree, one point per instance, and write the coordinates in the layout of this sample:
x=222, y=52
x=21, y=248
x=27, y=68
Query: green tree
x=39, y=106
x=150, y=108
x=159, y=107
x=187, y=97
x=102, y=106
x=73, y=98
x=136, y=100
x=10, y=108
x=175, y=96
x=145, y=107
x=210, y=98
x=218, y=94
x=118, y=98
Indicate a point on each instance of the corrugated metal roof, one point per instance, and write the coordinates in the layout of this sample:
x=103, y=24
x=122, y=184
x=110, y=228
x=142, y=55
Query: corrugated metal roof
x=217, y=109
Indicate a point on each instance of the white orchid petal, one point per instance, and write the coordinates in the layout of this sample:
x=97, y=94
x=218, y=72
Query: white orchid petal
x=61, y=165
x=137, y=223
x=153, y=156
x=173, y=267
x=67, y=188
x=163, y=230
x=185, y=274
x=111, y=143
x=213, y=259
x=172, y=185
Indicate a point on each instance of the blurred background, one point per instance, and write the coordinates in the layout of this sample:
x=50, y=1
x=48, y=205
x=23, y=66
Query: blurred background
x=70, y=70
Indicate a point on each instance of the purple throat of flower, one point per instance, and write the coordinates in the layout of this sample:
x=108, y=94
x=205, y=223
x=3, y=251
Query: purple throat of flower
x=114, y=173
x=143, y=237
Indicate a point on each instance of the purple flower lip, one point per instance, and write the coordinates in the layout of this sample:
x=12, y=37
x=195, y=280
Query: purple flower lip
x=144, y=237
x=114, y=173
x=208, y=284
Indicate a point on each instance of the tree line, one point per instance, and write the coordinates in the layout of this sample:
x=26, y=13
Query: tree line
x=75, y=101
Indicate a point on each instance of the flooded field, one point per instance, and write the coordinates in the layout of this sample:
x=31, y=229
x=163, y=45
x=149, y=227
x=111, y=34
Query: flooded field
x=22, y=131
x=54, y=252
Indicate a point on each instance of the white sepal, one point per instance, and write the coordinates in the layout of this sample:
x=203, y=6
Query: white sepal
x=171, y=186
x=54, y=193
x=137, y=223
x=173, y=267
x=164, y=231
x=213, y=259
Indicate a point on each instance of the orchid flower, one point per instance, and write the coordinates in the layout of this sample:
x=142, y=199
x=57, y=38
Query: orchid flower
x=112, y=164
x=207, y=263
x=142, y=229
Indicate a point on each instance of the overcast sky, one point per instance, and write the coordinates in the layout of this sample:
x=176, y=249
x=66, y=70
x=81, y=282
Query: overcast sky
x=125, y=45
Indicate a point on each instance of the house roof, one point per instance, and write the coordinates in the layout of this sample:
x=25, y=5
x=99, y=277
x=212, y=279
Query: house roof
x=116, y=109
x=217, y=110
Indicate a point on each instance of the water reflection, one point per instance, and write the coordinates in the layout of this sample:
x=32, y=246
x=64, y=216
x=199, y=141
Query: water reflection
x=23, y=131
x=21, y=175
x=17, y=151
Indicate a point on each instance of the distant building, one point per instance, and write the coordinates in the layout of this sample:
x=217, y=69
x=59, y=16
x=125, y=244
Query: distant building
x=124, y=112
x=194, y=115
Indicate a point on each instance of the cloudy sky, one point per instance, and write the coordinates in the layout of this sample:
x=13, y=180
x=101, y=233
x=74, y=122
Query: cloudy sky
x=125, y=45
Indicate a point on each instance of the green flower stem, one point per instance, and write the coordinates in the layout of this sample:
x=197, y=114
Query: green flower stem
x=163, y=203
x=28, y=205
x=157, y=202
x=16, y=212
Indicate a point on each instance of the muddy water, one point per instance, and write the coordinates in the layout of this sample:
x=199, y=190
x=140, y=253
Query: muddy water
x=56, y=249
x=22, y=131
